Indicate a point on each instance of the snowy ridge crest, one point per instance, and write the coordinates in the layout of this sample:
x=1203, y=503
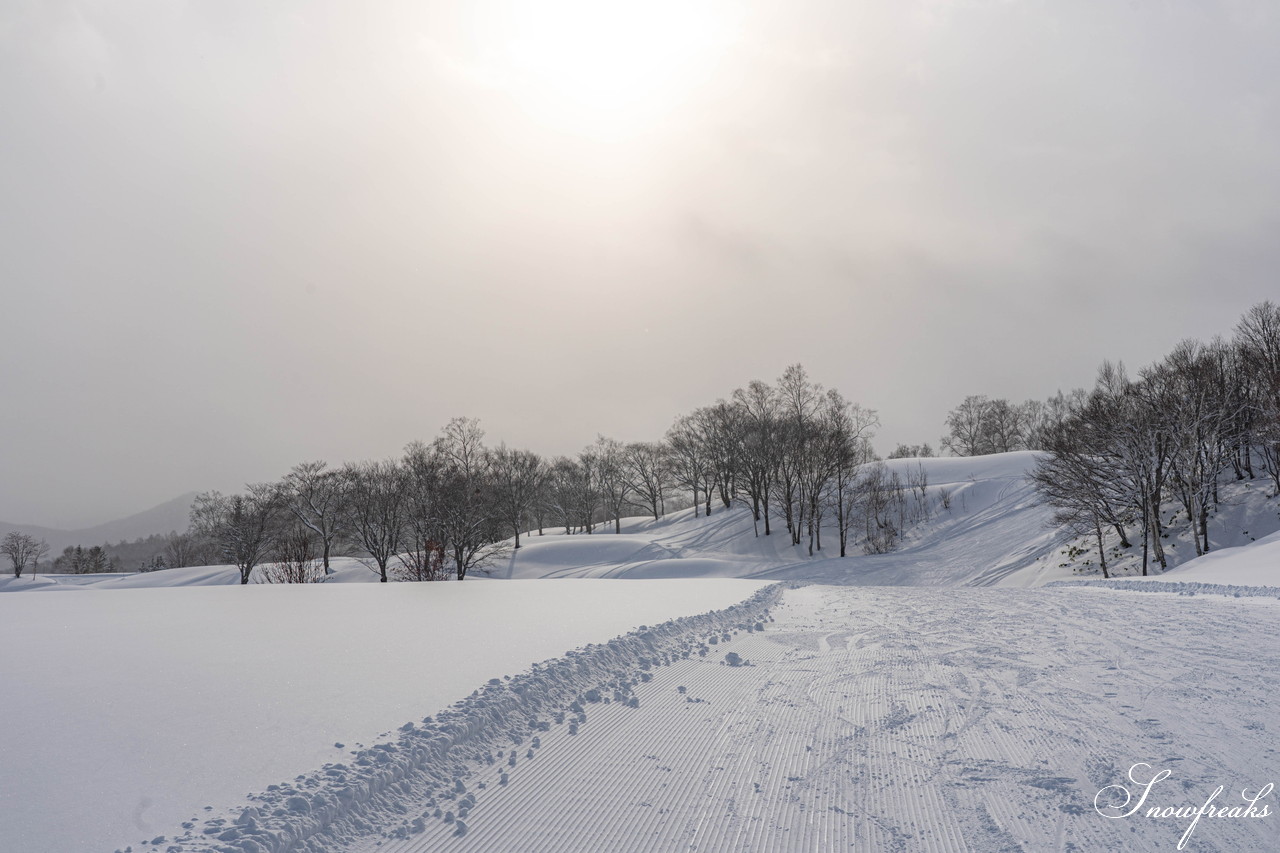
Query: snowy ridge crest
x=425, y=770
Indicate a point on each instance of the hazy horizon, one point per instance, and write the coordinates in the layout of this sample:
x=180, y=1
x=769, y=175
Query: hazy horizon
x=237, y=237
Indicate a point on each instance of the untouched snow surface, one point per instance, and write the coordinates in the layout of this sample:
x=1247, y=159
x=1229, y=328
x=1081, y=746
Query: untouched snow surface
x=126, y=712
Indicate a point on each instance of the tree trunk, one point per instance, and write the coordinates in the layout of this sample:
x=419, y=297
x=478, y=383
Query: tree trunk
x=1146, y=537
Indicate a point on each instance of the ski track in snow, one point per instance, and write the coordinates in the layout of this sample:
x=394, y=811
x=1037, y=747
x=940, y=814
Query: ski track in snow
x=876, y=719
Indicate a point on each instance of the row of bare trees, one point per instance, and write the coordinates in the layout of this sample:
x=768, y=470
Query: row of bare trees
x=791, y=452
x=437, y=512
x=981, y=425
x=1121, y=451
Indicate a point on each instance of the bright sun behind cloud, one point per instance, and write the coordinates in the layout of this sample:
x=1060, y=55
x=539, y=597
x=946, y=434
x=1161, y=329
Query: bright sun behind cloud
x=602, y=67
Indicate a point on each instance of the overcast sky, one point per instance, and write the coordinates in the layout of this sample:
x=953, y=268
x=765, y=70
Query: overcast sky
x=238, y=235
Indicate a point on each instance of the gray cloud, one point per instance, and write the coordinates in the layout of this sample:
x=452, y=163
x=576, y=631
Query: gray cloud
x=236, y=236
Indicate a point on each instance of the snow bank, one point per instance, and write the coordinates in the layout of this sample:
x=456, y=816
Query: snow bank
x=1254, y=564
x=1239, y=571
x=1181, y=588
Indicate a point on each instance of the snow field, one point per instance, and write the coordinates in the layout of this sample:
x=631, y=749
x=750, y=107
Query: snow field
x=906, y=720
x=129, y=711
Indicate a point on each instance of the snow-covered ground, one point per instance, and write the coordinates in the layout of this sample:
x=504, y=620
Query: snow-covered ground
x=126, y=712
x=968, y=712
x=905, y=720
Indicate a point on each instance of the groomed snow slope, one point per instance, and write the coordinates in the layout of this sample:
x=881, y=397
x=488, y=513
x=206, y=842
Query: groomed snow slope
x=859, y=719
x=126, y=712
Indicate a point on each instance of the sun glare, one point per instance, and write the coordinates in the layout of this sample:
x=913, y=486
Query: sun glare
x=604, y=66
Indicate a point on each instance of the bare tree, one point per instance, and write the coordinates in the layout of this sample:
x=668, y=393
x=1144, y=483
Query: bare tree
x=1078, y=478
x=721, y=427
x=689, y=460
x=187, y=549
x=243, y=527
x=1258, y=342
x=967, y=425
x=568, y=494
x=421, y=555
x=470, y=523
x=611, y=477
x=313, y=493
x=374, y=510
x=23, y=550
x=799, y=402
x=647, y=475
x=1003, y=427
x=517, y=480
x=1203, y=425
x=758, y=406
x=850, y=429
x=878, y=489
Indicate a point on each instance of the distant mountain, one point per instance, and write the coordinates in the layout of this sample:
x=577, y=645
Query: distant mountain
x=170, y=515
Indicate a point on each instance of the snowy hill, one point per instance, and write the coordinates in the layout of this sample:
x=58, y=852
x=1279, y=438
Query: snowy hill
x=979, y=525
x=976, y=521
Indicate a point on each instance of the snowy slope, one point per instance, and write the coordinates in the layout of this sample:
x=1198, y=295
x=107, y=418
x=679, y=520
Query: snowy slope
x=127, y=712
x=1255, y=564
x=980, y=524
x=907, y=719
x=994, y=532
